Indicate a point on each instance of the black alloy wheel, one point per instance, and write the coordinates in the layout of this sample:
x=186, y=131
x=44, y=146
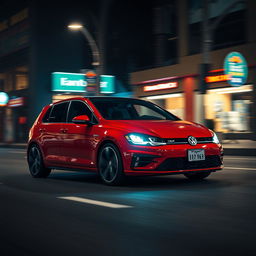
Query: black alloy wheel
x=110, y=165
x=35, y=162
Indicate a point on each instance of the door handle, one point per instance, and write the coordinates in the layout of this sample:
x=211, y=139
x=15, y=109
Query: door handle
x=63, y=130
x=42, y=130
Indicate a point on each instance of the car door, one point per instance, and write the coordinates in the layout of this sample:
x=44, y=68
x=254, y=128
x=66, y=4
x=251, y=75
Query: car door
x=51, y=133
x=78, y=139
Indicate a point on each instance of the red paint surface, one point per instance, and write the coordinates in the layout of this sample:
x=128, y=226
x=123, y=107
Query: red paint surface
x=76, y=146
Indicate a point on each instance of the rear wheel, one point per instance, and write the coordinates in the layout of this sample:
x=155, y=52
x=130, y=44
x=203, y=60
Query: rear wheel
x=110, y=165
x=35, y=163
x=197, y=175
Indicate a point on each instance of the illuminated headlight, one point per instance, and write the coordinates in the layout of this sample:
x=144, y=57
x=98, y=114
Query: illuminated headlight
x=144, y=140
x=215, y=139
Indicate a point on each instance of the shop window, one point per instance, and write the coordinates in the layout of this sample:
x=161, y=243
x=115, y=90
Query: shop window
x=8, y=82
x=21, y=81
x=176, y=106
x=230, y=110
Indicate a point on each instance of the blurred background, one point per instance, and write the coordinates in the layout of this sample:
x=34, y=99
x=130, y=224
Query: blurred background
x=195, y=58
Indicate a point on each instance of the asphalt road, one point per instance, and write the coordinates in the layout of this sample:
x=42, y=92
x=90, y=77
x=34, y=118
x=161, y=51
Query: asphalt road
x=73, y=213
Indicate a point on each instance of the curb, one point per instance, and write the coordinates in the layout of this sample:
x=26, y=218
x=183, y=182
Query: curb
x=240, y=151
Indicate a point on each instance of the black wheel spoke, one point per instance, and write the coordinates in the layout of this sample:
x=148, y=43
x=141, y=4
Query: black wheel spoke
x=36, y=164
x=108, y=164
x=34, y=160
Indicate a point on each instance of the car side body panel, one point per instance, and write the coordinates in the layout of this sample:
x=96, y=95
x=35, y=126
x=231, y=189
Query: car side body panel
x=76, y=146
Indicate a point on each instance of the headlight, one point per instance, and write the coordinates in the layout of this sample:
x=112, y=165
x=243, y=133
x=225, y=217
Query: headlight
x=144, y=140
x=215, y=139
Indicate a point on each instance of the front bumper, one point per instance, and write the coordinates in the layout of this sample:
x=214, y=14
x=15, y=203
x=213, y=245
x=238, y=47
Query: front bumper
x=171, y=159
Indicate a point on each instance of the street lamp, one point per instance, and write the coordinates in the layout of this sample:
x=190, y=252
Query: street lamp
x=94, y=48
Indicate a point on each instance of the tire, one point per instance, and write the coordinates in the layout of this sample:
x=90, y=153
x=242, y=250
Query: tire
x=197, y=175
x=35, y=163
x=110, y=166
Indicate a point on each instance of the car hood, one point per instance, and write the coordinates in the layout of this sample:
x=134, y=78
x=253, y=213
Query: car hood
x=163, y=128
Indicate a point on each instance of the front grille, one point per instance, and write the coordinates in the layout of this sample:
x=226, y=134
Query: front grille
x=176, y=141
x=182, y=163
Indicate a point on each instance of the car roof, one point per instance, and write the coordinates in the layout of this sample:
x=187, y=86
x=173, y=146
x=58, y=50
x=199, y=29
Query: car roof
x=93, y=97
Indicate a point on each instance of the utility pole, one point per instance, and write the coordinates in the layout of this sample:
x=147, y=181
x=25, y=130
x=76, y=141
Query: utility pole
x=205, y=65
x=208, y=38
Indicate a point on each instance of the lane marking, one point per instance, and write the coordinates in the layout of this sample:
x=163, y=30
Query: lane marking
x=94, y=202
x=240, y=168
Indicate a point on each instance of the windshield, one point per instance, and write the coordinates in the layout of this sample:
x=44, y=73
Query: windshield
x=130, y=109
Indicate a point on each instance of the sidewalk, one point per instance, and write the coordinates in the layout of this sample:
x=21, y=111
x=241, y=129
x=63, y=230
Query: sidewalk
x=13, y=145
x=231, y=147
x=239, y=147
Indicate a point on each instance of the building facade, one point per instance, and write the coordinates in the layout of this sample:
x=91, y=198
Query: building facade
x=34, y=43
x=227, y=108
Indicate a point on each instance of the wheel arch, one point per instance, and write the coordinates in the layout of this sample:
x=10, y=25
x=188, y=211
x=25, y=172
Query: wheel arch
x=102, y=144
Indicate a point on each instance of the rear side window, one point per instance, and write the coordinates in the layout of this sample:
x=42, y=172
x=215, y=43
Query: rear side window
x=47, y=115
x=78, y=108
x=59, y=113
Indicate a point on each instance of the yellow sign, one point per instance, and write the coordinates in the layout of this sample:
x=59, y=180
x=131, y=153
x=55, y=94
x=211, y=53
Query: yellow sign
x=215, y=79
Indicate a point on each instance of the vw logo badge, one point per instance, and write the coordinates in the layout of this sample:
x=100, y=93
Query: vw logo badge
x=192, y=140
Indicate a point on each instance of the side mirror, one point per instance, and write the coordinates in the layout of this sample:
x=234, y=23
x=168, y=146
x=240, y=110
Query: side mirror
x=84, y=119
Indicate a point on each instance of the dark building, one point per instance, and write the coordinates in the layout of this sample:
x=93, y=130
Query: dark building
x=34, y=42
x=142, y=43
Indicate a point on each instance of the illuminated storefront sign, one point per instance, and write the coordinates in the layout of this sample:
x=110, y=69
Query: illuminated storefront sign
x=107, y=84
x=3, y=99
x=156, y=87
x=235, y=67
x=91, y=80
x=215, y=79
x=17, y=102
x=68, y=82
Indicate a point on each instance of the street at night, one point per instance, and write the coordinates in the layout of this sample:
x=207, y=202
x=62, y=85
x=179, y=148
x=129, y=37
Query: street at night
x=71, y=213
x=128, y=128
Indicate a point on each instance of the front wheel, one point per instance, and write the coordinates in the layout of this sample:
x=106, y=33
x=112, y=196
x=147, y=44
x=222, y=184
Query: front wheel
x=35, y=163
x=110, y=165
x=197, y=175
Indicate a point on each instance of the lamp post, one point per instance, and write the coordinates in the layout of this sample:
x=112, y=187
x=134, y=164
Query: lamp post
x=94, y=48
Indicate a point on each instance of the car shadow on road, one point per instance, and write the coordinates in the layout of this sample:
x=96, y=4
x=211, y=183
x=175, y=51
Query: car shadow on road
x=151, y=182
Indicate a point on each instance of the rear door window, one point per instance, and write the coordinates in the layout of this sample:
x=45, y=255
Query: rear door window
x=59, y=113
x=47, y=115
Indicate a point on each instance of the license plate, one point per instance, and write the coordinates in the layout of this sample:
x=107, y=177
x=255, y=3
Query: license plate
x=196, y=155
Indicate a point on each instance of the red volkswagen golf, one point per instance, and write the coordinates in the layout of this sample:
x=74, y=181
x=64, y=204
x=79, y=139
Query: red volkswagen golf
x=117, y=137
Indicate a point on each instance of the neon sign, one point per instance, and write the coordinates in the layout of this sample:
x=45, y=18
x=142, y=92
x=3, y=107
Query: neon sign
x=156, y=87
x=218, y=78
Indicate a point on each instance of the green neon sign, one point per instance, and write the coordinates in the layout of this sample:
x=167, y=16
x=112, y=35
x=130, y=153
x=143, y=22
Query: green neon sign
x=235, y=66
x=107, y=84
x=68, y=82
